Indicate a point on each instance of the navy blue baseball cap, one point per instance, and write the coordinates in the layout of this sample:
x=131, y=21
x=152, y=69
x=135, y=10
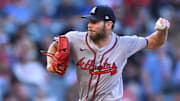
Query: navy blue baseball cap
x=101, y=12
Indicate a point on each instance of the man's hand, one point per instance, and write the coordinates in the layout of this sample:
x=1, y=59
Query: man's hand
x=158, y=38
x=58, y=55
x=52, y=49
x=162, y=24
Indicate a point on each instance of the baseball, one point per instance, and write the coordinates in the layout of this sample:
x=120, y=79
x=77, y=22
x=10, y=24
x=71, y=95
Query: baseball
x=161, y=24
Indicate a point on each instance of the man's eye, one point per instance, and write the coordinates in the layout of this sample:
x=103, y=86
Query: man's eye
x=94, y=22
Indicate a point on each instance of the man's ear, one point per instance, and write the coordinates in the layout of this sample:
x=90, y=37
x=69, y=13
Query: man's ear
x=109, y=24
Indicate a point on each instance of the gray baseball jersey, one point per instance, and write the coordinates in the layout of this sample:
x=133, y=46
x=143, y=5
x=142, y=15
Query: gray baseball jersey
x=99, y=70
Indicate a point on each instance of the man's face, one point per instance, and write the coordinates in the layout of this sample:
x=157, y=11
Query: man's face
x=96, y=30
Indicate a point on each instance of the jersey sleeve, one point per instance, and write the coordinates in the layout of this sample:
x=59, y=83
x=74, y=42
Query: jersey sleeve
x=134, y=44
x=75, y=40
x=70, y=35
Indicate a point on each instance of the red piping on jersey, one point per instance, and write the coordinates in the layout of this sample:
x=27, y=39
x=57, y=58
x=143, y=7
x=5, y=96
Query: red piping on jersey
x=100, y=68
x=147, y=42
x=93, y=65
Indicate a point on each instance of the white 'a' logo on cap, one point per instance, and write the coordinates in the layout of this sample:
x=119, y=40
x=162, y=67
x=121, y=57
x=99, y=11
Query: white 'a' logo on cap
x=93, y=10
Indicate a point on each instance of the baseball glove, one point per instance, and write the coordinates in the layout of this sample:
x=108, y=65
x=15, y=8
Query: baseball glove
x=61, y=57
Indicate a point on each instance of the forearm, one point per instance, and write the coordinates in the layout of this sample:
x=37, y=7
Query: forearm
x=157, y=39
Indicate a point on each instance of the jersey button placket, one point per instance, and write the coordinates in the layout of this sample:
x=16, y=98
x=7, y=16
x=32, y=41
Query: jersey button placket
x=99, y=56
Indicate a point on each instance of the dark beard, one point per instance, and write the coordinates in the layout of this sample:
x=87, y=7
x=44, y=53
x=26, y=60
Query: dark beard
x=99, y=36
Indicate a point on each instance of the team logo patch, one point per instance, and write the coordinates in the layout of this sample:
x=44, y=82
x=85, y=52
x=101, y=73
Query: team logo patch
x=93, y=69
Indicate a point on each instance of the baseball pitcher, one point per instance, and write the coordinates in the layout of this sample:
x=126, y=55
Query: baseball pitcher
x=100, y=55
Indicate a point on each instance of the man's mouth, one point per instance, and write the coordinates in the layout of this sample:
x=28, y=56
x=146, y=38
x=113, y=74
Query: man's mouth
x=91, y=31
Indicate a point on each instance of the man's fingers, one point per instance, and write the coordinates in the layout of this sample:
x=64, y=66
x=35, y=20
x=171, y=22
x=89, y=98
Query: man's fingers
x=162, y=24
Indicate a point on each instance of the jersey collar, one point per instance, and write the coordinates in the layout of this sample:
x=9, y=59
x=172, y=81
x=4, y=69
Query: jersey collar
x=103, y=49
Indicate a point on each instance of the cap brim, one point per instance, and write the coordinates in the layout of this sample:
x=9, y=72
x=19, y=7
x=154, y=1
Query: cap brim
x=90, y=17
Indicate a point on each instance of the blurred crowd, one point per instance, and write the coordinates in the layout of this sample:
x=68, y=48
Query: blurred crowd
x=28, y=26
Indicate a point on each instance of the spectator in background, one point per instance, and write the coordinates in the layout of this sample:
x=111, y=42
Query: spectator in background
x=129, y=92
x=17, y=10
x=27, y=69
x=5, y=63
x=176, y=74
x=3, y=3
x=17, y=91
x=10, y=97
x=42, y=95
x=66, y=9
x=156, y=72
x=67, y=13
x=131, y=82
